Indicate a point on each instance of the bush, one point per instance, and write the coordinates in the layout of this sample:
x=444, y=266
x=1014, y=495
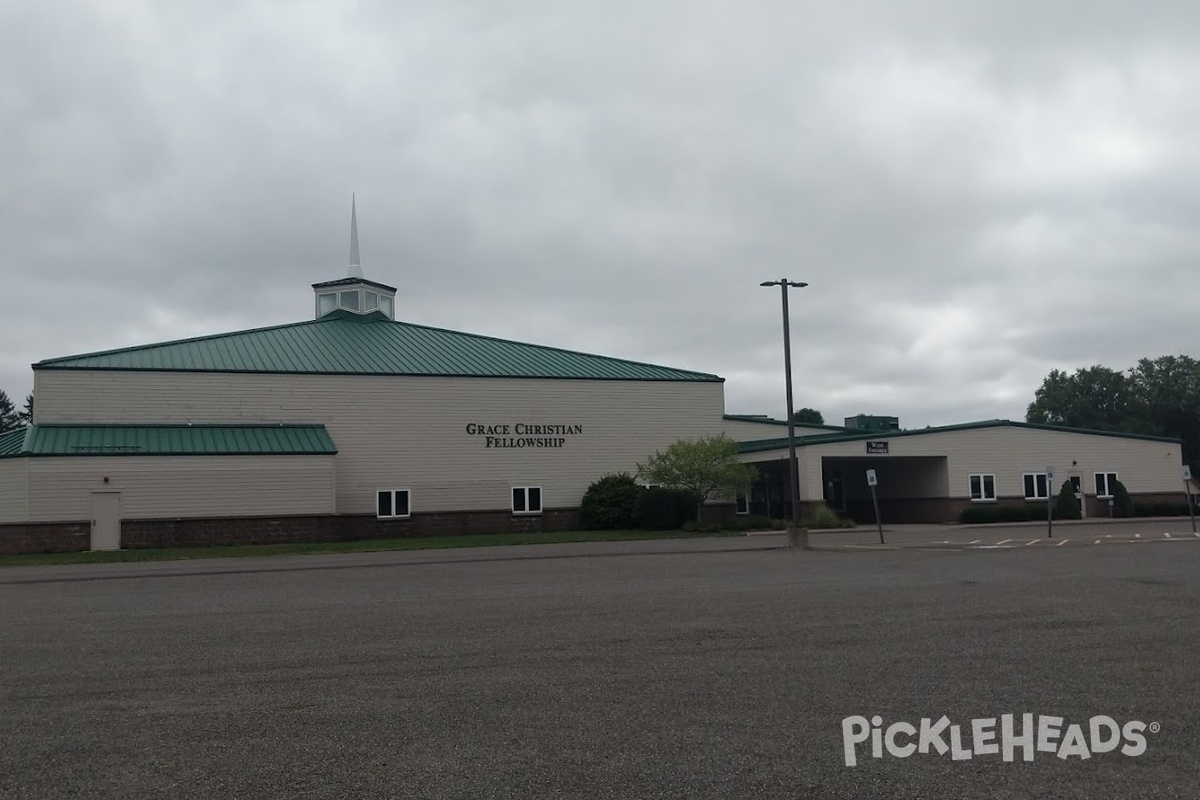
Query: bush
x=982, y=514
x=663, y=509
x=610, y=503
x=824, y=518
x=1067, y=505
x=978, y=515
x=1122, y=502
x=748, y=523
x=738, y=523
x=1160, y=509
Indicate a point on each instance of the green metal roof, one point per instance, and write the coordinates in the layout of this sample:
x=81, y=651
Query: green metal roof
x=765, y=420
x=12, y=442
x=169, y=440
x=760, y=445
x=342, y=343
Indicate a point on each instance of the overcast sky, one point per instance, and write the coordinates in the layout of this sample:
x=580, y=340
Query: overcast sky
x=977, y=192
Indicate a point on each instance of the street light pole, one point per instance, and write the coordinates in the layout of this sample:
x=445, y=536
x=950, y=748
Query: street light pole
x=797, y=535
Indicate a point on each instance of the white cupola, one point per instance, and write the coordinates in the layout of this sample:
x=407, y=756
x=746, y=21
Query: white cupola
x=354, y=293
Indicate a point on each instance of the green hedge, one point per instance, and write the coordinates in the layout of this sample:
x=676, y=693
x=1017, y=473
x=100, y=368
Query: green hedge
x=738, y=523
x=1179, y=509
x=975, y=515
x=663, y=509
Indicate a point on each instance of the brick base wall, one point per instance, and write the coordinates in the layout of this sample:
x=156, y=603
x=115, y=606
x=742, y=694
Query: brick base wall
x=47, y=537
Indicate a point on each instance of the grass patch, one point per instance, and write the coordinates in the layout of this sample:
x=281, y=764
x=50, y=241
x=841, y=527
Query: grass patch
x=357, y=546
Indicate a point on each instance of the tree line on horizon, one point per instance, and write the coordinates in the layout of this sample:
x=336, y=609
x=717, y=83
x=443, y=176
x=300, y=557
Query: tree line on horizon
x=1157, y=397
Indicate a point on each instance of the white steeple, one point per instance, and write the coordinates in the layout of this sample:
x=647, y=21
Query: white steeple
x=354, y=293
x=355, y=264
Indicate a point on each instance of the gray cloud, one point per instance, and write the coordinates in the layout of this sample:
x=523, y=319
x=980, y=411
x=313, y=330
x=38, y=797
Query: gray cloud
x=976, y=194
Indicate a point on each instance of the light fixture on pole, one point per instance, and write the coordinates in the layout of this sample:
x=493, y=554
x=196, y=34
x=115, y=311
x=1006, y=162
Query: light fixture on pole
x=797, y=535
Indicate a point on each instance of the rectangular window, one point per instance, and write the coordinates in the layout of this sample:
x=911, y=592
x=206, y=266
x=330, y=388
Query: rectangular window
x=372, y=301
x=983, y=487
x=326, y=303
x=741, y=504
x=392, y=504
x=1105, y=481
x=350, y=300
x=385, y=305
x=527, y=499
x=1036, y=486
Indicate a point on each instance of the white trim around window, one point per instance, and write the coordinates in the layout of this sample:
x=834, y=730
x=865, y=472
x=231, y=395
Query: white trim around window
x=982, y=487
x=393, y=504
x=1104, y=484
x=1036, y=486
x=526, y=500
x=741, y=504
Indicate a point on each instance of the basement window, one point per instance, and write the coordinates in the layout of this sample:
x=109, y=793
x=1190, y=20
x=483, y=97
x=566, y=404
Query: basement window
x=1036, y=486
x=983, y=487
x=392, y=504
x=527, y=500
x=1105, y=482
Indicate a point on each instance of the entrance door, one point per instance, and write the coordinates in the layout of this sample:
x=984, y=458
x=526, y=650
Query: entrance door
x=835, y=490
x=106, y=520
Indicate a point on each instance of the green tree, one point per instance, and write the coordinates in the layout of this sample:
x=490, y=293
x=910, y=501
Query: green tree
x=808, y=416
x=1097, y=398
x=1160, y=396
x=26, y=413
x=705, y=468
x=1168, y=389
x=9, y=418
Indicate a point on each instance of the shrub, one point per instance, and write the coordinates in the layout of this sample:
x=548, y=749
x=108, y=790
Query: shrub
x=610, y=503
x=981, y=514
x=663, y=509
x=823, y=517
x=1122, y=502
x=748, y=523
x=1067, y=505
x=978, y=515
x=1160, y=509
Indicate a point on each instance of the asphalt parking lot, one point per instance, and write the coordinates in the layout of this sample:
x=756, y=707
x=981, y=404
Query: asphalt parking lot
x=700, y=668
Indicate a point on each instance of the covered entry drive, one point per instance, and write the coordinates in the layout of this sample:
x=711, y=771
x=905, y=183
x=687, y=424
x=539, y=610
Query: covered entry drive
x=911, y=488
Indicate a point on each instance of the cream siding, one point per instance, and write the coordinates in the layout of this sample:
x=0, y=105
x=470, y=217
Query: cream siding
x=156, y=487
x=14, y=490
x=410, y=432
x=1144, y=466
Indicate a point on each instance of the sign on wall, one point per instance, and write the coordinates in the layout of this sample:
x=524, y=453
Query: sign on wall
x=877, y=448
x=523, y=434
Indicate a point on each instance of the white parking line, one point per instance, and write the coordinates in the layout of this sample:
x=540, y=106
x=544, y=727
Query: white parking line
x=1032, y=541
x=976, y=541
x=1096, y=542
x=1137, y=536
x=1167, y=535
x=1064, y=541
x=1004, y=541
